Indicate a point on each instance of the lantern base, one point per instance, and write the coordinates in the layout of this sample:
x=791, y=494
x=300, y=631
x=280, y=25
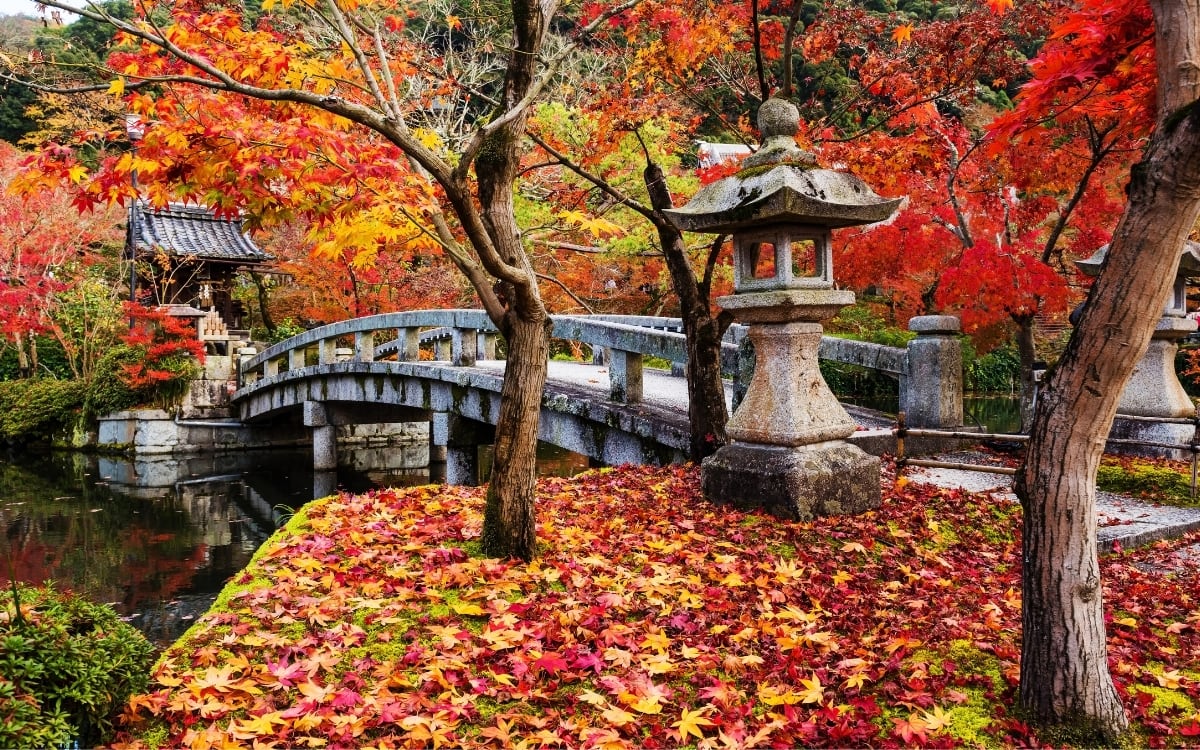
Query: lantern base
x=823, y=479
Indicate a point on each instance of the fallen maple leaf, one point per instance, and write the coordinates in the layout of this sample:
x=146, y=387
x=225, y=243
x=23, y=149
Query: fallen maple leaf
x=690, y=722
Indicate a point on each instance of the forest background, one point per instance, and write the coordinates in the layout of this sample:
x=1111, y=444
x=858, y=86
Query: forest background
x=988, y=232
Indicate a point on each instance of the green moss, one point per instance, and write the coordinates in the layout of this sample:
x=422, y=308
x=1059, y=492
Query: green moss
x=1166, y=699
x=970, y=720
x=784, y=551
x=1148, y=479
x=155, y=736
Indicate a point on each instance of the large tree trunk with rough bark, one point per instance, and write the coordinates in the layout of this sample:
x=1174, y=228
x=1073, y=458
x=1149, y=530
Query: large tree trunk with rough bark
x=509, y=521
x=707, y=413
x=1064, y=667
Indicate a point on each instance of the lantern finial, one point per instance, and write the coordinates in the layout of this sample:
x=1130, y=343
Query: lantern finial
x=779, y=122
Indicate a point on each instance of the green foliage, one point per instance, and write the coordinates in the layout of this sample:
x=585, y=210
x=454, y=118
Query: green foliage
x=1148, y=478
x=33, y=410
x=107, y=392
x=861, y=323
x=998, y=370
x=52, y=360
x=283, y=331
x=67, y=667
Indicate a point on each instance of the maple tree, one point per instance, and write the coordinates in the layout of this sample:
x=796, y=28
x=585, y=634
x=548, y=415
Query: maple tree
x=47, y=253
x=306, y=109
x=655, y=619
x=336, y=283
x=1064, y=674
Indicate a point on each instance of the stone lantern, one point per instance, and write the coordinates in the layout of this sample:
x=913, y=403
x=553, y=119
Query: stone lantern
x=789, y=453
x=1154, y=389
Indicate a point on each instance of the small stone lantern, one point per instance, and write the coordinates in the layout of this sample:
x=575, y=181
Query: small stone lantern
x=789, y=453
x=1154, y=389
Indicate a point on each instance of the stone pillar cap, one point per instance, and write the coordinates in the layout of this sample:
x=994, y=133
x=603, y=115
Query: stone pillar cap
x=935, y=324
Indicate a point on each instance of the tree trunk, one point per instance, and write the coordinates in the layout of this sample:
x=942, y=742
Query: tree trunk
x=1026, y=354
x=1064, y=666
x=260, y=287
x=707, y=413
x=23, y=368
x=509, y=520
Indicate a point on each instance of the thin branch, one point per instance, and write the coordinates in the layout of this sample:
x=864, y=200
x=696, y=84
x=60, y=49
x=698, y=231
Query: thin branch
x=710, y=265
x=565, y=288
x=758, y=55
x=789, y=40
x=550, y=69
x=599, y=182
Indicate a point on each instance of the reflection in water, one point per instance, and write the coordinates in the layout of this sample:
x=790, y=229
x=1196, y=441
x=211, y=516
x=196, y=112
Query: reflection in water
x=159, y=537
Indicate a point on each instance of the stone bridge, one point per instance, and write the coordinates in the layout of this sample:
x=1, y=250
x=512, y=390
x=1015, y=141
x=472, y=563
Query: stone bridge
x=441, y=366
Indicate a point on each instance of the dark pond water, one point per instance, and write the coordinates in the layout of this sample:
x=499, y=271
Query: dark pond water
x=159, y=538
x=1001, y=414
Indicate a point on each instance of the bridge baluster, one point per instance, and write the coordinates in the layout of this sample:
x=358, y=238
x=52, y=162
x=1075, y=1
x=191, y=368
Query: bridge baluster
x=625, y=376
x=296, y=358
x=327, y=351
x=270, y=368
x=442, y=350
x=364, y=346
x=409, y=345
x=462, y=347
x=485, y=345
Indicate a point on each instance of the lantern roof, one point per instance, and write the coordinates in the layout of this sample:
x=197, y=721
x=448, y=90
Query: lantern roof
x=1189, y=261
x=782, y=183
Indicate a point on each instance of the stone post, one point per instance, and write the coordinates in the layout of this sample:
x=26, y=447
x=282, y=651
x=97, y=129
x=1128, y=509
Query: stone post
x=443, y=350
x=625, y=377
x=462, y=348
x=485, y=344
x=327, y=351
x=364, y=346
x=409, y=349
x=324, y=436
x=456, y=440
x=932, y=393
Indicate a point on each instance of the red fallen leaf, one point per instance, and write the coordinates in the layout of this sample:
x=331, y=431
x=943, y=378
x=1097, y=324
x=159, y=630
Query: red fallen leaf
x=345, y=699
x=1191, y=729
x=588, y=660
x=552, y=663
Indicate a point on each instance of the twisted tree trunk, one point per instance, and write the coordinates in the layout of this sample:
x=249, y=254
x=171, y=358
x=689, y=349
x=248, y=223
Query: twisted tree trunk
x=707, y=413
x=1064, y=665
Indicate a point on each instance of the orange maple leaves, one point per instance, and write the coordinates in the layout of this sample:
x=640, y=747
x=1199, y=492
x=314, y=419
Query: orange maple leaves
x=600, y=642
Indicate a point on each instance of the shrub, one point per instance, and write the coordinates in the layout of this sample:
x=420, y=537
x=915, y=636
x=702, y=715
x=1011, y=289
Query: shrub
x=32, y=410
x=169, y=356
x=997, y=371
x=107, y=392
x=154, y=365
x=67, y=667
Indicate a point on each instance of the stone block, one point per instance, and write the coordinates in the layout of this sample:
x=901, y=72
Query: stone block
x=823, y=479
x=1166, y=433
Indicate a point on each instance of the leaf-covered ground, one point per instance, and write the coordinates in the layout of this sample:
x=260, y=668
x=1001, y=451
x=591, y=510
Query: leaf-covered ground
x=652, y=619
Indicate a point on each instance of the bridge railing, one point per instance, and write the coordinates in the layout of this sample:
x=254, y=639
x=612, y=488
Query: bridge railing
x=463, y=337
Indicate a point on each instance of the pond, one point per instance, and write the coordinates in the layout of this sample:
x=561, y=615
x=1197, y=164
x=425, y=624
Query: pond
x=159, y=538
x=999, y=414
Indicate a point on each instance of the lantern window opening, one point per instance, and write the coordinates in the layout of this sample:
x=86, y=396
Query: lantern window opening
x=782, y=258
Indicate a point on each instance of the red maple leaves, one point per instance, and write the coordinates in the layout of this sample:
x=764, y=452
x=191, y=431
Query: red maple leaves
x=652, y=619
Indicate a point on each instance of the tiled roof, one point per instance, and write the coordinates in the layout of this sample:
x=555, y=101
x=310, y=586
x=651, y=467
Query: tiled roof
x=193, y=231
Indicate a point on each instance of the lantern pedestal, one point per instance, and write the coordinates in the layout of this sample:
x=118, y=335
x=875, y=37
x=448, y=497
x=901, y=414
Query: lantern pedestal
x=789, y=457
x=823, y=479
